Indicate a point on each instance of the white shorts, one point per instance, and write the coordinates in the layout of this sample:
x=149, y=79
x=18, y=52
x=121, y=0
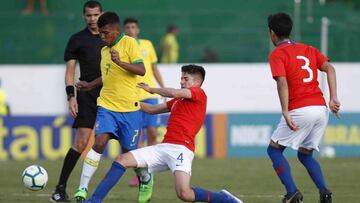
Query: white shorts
x=164, y=156
x=312, y=122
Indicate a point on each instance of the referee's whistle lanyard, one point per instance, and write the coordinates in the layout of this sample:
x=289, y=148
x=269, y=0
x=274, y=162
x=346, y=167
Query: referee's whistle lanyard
x=285, y=42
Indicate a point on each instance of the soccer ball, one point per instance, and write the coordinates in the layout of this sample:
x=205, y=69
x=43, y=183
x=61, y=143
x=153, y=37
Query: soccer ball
x=35, y=177
x=329, y=152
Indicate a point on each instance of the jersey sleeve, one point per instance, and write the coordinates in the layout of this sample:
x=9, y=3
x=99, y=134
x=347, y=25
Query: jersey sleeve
x=152, y=54
x=170, y=103
x=277, y=65
x=134, y=52
x=71, y=49
x=320, y=58
x=196, y=93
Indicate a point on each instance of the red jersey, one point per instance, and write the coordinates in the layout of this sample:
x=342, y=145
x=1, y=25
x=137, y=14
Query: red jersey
x=299, y=63
x=186, y=118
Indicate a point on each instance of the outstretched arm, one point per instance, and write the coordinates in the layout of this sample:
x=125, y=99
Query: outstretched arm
x=154, y=109
x=167, y=92
x=283, y=91
x=334, y=103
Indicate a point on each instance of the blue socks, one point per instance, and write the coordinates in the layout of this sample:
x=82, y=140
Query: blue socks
x=314, y=170
x=108, y=182
x=202, y=195
x=282, y=168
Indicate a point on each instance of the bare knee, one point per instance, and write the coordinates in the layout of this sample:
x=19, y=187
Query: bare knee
x=101, y=142
x=186, y=195
x=80, y=145
x=82, y=139
x=99, y=147
x=127, y=160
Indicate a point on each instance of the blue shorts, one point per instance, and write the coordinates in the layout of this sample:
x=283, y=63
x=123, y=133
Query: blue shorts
x=123, y=126
x=150, y=120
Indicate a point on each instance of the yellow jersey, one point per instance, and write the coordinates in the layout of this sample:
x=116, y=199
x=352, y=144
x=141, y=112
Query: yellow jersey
x=148, y=53
x=119, y=92
x=170, y=49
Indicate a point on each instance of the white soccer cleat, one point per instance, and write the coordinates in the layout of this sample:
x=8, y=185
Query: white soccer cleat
x=231, y=196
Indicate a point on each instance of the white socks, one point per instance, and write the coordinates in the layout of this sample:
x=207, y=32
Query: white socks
x=90, y=165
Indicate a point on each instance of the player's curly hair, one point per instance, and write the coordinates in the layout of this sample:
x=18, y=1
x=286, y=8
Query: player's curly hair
x=281, y=24
x=108, y=18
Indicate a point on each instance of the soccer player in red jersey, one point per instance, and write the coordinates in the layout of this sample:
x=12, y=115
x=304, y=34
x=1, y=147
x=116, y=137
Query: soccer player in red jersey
x=176, y=152
x=294, y=67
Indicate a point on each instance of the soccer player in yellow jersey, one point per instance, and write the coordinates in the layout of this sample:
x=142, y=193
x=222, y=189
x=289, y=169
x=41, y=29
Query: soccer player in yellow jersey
x=118, y=115
x=170, y=46
x=149, y=122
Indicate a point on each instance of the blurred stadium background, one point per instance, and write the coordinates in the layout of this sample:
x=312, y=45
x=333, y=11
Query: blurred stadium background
x=243, y=105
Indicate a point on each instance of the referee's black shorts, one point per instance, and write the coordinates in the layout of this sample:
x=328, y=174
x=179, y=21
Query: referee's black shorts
x=87, y=108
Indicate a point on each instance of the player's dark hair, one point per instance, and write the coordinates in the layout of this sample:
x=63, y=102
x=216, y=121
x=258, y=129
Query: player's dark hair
x=92, y=4
x=194, y=70
x=108, y=18
x=171, y=28
x=281, y=24
x=131, y=20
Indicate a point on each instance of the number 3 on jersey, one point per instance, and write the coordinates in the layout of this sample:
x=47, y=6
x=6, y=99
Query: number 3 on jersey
x=307, y=68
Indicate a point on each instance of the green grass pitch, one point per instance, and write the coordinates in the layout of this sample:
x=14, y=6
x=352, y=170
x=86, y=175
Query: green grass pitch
x=253, y=180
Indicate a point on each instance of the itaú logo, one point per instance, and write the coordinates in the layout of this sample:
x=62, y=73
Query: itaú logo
x=250, y=135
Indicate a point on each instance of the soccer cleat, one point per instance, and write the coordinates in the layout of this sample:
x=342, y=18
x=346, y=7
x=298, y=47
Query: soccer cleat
x=134, y=182
x=294, y=198
x=59, y=195
x=80, y=195
x=326, y=196
x=230, y=198
x=145, y=190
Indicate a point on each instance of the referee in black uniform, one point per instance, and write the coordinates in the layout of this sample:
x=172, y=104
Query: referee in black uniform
x=84, y=47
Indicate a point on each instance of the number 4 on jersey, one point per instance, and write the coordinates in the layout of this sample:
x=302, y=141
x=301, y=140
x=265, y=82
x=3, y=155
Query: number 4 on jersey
x=307, y=68
x=180, y=157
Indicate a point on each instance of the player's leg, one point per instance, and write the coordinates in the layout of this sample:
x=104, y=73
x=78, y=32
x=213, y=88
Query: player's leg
x=284, y=137
x=83, y=123
x=150, y=124
x=281, y=167
x=311, y=142
x=196, y=194
x=71, y=158
x=105, y=127
x=179, y=160
x=90, y=165
x=130, y=125
x=114, y=174
x=152, y=135
x=313, y=167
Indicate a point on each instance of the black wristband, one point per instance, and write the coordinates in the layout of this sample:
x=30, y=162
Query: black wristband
x=70, y=91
